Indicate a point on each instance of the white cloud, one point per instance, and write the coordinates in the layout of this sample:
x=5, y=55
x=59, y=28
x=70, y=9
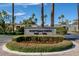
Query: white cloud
x=9, y=4
x=19, y=14
x=4, y=4
x=27, y=3
x=33, y=3
x=26, y=17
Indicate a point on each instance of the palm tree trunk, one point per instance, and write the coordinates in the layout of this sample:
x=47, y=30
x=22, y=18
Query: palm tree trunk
x=78, y=14
x=52, y=16
x=13, y=16
x=42, y=15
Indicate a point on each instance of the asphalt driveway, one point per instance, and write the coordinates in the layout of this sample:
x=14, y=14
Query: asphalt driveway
x=4, y=39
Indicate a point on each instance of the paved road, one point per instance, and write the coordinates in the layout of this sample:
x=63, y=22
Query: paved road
x=72, y=36
x=3, y=40
x=6, y=38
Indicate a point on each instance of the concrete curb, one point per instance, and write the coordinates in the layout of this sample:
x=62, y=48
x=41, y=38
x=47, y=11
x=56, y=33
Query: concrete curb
x=37, y=54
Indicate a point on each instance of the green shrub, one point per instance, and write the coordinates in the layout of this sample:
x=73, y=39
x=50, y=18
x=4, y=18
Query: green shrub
x=19, y=31
x=13, y=33
x=40, y=47
x=1, y=30
x=10, y=33
x=61, y=30
x=35, y=38
x=20, y=39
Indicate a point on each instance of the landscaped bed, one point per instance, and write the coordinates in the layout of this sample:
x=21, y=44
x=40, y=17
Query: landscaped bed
x=39, y=44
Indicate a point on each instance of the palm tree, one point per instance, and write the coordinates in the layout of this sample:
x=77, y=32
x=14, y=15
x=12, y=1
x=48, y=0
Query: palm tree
x=36, y=20
x=45, y=18
x=78, y=14
x=3, y=18
x=42, y=15
x=29, y=22
x=13, y=16
x=33, y=16
x=59, y=19
x=2, y=22
x=5, y=15
x=62, y=16
x=52, y=15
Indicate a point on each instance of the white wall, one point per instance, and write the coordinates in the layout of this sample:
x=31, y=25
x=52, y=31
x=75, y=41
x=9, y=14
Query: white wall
x=27, y=32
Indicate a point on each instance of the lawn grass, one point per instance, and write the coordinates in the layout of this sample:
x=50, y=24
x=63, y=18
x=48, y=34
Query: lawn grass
x=37, y=47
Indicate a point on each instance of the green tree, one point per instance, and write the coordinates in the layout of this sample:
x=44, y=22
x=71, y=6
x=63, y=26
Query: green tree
x=28, y=22
x=2, y=22
x=33, y=16
x=59, y=19
x=36, y=20
x=62, y=16
x=45, y=19
x=4, y=17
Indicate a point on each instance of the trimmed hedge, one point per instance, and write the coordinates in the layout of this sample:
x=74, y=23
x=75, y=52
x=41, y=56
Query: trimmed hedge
x=11, y=33
x=37, y=38
x=61, y=30
x=39, y=47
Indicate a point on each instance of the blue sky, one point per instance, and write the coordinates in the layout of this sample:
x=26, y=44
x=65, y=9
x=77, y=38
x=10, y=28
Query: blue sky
x=24, y=11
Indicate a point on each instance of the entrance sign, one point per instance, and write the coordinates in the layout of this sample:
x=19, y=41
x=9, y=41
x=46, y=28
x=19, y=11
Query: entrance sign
x=39, y=31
